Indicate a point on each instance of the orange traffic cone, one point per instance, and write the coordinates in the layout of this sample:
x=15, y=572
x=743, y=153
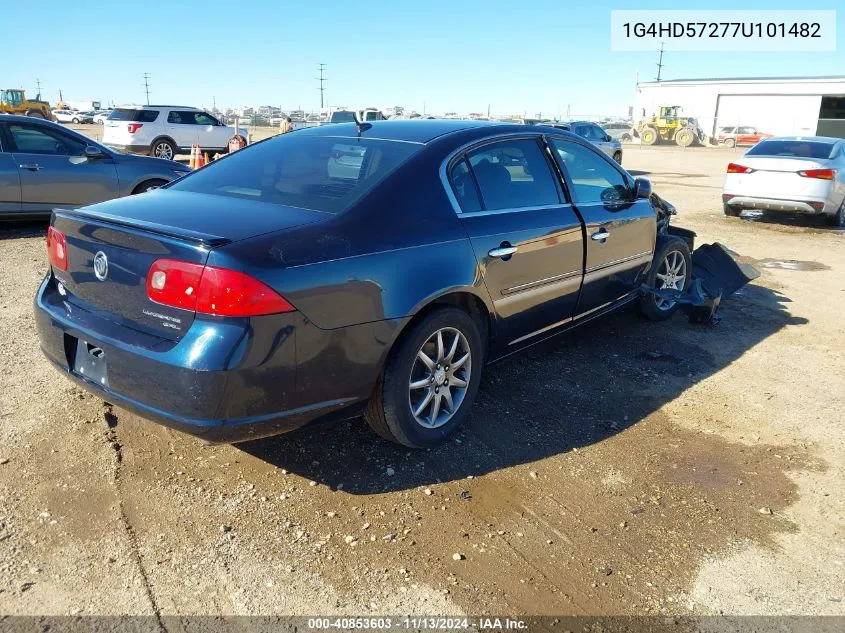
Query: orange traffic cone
x=200, y=162
x=193, y=162
x=205, y=159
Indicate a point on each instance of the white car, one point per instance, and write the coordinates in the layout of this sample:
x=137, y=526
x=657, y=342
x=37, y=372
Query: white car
x=101, y=116
x=70, y=116
x=799, y=174
x=165, y=131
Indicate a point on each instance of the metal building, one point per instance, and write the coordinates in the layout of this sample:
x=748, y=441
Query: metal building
x=774, y=105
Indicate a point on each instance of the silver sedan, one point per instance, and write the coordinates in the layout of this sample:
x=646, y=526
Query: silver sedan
x=798, y=174
x=44, y=165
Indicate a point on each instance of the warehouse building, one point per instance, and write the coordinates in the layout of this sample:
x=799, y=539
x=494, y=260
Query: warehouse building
x=775, y=105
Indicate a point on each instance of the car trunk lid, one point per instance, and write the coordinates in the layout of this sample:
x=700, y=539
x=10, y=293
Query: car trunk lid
x=778, y=177
x=111, y=247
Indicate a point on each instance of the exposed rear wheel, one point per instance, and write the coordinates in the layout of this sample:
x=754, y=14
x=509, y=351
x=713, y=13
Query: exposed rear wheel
x=729, y=142
x=648, y=136
x=430, y=380
x=671, y=269
x=75, y=120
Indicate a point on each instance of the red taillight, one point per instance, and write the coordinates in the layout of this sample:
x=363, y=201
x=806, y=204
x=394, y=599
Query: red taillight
x=134, y=127
x=733, y=168
x=821, y=174
x=211, y=290
x=57, y=248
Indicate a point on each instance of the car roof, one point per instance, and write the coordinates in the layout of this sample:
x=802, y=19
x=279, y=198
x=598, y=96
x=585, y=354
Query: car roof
x=149, y=107
x=810, y=139
x=20, y=118
x=408, y=130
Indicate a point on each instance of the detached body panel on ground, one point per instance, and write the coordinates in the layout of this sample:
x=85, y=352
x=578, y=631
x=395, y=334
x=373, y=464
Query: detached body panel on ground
x=439, y=242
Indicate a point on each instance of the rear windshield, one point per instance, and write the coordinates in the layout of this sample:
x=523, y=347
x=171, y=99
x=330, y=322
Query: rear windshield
x=311, y=172
x=800, y=149
x=129, y=114
x=343, y=116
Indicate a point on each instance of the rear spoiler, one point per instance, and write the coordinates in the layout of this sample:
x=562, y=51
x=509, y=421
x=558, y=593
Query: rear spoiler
x=202, y=239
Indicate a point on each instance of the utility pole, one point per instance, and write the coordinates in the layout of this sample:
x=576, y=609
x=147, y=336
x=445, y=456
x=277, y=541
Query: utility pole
x=38, y=91
x=214, y=103
x=147, y=86
x=660, y=62
x=321, y=68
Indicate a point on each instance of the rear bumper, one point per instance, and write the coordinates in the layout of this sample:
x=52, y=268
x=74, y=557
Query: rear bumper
x=808, y=206
x=226, y=380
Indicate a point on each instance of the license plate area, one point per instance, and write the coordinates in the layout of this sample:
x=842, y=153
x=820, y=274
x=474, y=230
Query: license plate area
x=89, y=362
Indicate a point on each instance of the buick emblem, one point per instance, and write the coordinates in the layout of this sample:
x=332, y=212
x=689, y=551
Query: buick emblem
x=101, y=266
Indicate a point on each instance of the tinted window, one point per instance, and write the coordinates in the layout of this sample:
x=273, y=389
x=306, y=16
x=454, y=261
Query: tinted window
x=298, y=170
x=593, y=178
x=747, y=130
x=513, y=174
x=180, y=117
x=803, y=149
x=127, y=114
x=593, y=132
x=201, y=118
x=31, y=139
x=343, y=116
x=464, y=187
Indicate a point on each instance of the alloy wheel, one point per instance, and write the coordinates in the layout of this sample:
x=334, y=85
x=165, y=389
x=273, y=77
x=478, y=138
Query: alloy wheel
x=440, y=377
x=672, y=275
x=163, y=150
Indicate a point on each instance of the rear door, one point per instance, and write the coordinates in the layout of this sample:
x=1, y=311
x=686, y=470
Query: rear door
x=10, y=182
x=182, y=127
x=620, y=229
x=527, y=240
x=54, y=171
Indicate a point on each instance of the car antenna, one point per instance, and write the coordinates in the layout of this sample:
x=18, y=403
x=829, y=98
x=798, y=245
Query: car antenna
x=362, y=126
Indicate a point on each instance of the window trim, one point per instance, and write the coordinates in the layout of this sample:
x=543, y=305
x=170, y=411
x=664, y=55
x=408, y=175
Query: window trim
x=461, y=152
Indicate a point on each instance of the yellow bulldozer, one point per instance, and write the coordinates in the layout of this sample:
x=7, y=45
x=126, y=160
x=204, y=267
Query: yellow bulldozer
x=14, y=101
x=669, y=126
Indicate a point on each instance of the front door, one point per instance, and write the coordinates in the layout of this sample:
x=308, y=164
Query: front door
x=527, y=241
x=621, y=230
x=10, y=182
x=54, y=170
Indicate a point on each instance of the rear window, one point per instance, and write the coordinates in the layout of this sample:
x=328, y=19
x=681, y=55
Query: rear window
x=796, y=148
x=129, y=114
x=311, y=172
x=343, y=116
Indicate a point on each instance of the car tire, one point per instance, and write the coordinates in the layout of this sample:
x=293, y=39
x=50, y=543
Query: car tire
x=837, y=220
x=163, y=148
x=617, y=156
x=148, y=185
x=672, y=254
x=729, y=142
x=731, y=212
x=390, y=411
x=627, y=138
x=75, y=121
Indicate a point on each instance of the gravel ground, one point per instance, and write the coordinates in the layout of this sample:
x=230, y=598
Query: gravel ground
x=625, y=468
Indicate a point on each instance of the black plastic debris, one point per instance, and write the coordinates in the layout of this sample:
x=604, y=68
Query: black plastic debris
x=716, y=274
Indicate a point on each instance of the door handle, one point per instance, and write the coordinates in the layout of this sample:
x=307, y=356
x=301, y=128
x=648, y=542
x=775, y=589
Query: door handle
x=600, y=236
x=31, y=166
x=503, y=251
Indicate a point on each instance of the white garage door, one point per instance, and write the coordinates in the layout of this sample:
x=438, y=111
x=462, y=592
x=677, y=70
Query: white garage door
x=772, y=114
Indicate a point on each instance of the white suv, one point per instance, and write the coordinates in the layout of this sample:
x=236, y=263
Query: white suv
x=165, y=131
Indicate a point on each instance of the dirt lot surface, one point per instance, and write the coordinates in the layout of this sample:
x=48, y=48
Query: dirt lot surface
x=626, y=468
